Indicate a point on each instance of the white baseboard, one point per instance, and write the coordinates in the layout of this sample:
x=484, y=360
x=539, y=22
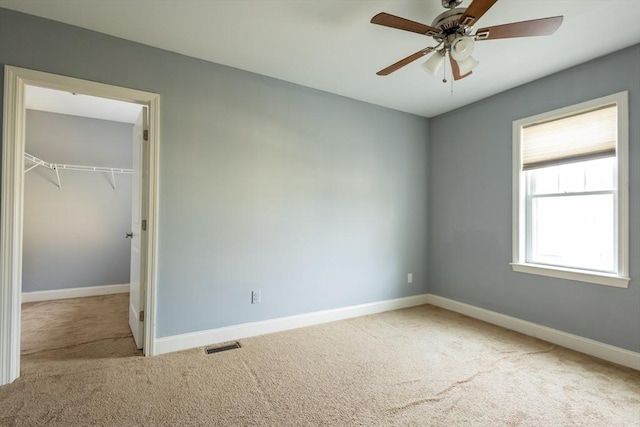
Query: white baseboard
x=88, y=291
x=598, y=349
x=246, y=330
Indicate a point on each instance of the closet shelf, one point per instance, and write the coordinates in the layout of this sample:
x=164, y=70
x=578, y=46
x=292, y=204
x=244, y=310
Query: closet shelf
x=56, y=167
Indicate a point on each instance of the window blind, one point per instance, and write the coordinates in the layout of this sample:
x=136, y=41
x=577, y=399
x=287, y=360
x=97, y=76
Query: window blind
x=584, y=136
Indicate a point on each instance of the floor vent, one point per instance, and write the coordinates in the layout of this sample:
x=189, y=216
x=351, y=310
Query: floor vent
x=211, y=350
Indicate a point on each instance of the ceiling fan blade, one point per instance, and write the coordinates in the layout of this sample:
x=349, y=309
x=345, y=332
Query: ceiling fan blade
x=455, y=70
x=409, y=59
x=535, y=27
x=476, y=9
x=393, y=21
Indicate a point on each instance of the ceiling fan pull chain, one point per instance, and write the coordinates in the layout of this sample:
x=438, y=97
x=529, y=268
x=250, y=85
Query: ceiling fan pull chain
x=444, y=73
x=444, y=80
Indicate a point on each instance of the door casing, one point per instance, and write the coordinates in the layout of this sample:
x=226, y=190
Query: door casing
x=12, y=201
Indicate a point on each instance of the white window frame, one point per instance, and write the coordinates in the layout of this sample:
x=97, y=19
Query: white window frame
x=519, y=262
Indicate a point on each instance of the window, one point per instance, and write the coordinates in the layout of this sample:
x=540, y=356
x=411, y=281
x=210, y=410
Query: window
x=570, y=192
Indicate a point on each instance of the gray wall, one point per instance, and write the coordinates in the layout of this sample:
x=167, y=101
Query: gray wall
x=74, y=235
x=470, y=208
x=318, y=200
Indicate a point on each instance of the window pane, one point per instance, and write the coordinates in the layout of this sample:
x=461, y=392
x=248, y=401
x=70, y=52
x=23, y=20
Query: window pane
x=571, y=178
x=573, y=231
x=592, y=175
x=545, y=180
x=599, y=174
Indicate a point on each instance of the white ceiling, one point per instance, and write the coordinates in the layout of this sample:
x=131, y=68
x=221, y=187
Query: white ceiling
x=56, y=101
x=330, y=44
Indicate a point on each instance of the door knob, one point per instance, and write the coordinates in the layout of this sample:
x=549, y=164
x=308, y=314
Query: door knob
x=129, y=235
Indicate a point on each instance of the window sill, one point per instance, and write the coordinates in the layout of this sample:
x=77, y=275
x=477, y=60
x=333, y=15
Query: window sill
x=570, y=274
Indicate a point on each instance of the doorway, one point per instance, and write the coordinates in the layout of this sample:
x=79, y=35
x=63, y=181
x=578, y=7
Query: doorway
x=16, y=79
x=79, y=236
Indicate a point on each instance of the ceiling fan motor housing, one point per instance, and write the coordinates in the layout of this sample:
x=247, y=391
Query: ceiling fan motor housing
x=448, y=23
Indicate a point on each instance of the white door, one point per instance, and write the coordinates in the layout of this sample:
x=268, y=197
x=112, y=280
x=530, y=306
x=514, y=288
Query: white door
x=138, y=233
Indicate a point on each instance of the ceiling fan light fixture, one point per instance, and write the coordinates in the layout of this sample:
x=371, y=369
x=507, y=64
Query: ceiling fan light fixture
x=462, y=48
x=466, y=65
x=433, y=64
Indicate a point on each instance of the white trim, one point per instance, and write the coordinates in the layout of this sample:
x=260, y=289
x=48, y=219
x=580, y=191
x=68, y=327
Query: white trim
x=518, y=200
x=11, y=201
x=622, y=152
x=598, y=349
x=152, y=209
x=603, y=351
x=621, y=279
x=246, y=330
x=569, y=274
x=87, y=291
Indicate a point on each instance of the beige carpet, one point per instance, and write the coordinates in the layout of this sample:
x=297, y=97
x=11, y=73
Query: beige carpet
x=84, y=322
x=421, y=366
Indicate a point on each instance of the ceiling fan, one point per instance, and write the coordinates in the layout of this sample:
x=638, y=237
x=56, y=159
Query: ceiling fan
x=452, y=31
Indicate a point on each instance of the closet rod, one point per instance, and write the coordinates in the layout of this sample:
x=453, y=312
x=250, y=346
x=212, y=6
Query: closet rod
x=56, y=167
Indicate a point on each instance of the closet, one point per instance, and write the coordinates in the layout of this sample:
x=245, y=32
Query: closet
x=77, y=202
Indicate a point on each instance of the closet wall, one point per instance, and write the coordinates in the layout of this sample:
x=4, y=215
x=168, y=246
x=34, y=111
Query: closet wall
x=74, y=236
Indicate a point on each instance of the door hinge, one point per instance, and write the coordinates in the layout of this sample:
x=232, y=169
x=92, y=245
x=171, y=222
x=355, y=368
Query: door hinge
x=144, y=225
x=145, y=134
x=141, y=316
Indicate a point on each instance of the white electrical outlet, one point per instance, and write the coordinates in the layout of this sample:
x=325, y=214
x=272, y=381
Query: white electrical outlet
x=410, y=278
x=255, y=297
